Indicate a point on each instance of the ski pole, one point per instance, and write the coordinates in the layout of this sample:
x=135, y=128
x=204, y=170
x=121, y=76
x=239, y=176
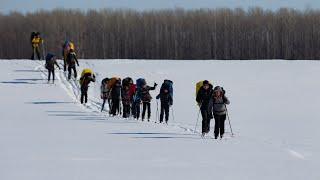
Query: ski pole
x=172, y=110
x=157, y=113
x=229, y=121
x=195, y=128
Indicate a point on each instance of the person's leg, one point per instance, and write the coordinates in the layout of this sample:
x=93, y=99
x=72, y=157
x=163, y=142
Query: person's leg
x=82, y=96
x=167, y=108
x=38, y=53
x=137, y=110
x=222, y=120
x=204, y=121
x=149, y=110
x=102, y=107
x=53, y=75
x=161, y=113
x=144, y=104
x=208, y=121
x=49, y=75
x=69, y=72
x=64, y=65
x=74, y=72
x=216, y=126
x=86, y=96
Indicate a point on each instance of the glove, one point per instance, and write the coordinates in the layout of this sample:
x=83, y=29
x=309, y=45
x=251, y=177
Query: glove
x=155, y=84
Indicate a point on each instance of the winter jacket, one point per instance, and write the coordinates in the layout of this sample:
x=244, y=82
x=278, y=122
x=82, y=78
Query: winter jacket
x=204, y=98
x=116, y=91
x=85, y=81
x=72, y=59
x=125, y=95
x=132, y=91
x=165, y=97
x=50, y=64
x=145, y=94
x=219, y=105
x=36, y=41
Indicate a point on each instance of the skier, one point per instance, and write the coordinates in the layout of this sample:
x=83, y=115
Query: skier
x=115, y=96
x=166, y=99
x=137, y=97
x=146, y=99
x=104, y=92
x=204, y=99
x=125, y=96
x=87, y=76
x=36, y=40
x=219, y=110
x=50, y=65
x=132, y=92
x=66, y=47
x=72, y=61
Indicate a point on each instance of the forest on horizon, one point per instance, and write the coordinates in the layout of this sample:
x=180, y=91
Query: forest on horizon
x=166, y=34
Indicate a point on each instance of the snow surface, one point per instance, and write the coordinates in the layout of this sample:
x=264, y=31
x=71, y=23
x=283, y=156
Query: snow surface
x=46, y=134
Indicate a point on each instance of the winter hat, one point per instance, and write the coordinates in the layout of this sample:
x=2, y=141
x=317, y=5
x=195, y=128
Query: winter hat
x=218, y=88
x=205, y=82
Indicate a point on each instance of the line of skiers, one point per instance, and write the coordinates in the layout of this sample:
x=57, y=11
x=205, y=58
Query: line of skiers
x=212, y=101
x=132, y=96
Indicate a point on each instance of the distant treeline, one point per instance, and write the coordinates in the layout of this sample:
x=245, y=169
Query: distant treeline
x=167, y=34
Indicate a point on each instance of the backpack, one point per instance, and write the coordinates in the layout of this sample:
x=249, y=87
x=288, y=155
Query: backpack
x=138, y=94
x=126, y=81
x=49, y=61
x=85, y=72
x=140, y=82
x=199, y=85
x=167, y=84
x=112, y=82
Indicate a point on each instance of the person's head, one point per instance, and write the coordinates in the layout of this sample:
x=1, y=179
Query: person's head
x=71, y=50
x=206, y=84
x=217, y=92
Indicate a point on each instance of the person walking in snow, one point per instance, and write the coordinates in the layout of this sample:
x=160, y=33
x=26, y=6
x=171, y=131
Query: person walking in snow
x=36, y=41
x=219, y=110
x=204, y=99
x=126, y=96
x=104, y=91
x=146, y=99
x=84, y=83
x=72, y=61
x=166, y=99
x=50, y=65
x=115, y=97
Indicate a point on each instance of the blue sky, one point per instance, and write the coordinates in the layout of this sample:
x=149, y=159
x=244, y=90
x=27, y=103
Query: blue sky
x=33, y=5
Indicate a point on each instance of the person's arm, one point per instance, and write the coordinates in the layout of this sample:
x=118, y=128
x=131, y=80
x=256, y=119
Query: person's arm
x=199, y=97
x=75, y=57
x=55, y=62
x=226, y=100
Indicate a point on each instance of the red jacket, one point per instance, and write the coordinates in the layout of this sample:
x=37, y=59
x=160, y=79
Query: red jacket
x=132, y=90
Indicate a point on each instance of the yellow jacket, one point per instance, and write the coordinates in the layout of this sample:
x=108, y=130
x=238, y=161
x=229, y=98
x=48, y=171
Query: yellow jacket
x=36, y=42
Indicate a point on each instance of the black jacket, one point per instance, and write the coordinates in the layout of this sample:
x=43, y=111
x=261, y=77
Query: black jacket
x=72, y=59
x=204, y=98
x=116, y=91
x=165, y=97
x=85, y=81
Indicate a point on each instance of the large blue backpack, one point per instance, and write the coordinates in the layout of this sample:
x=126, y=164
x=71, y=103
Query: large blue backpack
x=139, y=84
x=49, y=62
x=167, y=84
